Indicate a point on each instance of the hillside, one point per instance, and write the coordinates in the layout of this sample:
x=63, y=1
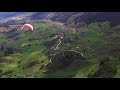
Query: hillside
x=51, y=51
x=78, y=17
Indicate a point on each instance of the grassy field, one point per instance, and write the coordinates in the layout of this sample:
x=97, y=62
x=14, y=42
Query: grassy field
x=29, y=61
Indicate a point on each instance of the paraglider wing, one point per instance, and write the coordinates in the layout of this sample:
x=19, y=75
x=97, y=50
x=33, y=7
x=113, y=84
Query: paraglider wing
x=31, y=27
x=20, y=27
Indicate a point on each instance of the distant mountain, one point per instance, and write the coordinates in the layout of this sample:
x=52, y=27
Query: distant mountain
x=70, y=17
x=113, y=17
x=39, y=15
x=87, y=17
x=13, y=14
x=9, y=14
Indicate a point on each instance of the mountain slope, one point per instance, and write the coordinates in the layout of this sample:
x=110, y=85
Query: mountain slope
x=87, y=17
x=10, y=14
x=91, y=51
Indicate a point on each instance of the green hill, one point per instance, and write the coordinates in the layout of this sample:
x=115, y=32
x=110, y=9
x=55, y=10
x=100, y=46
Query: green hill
x=27, y=54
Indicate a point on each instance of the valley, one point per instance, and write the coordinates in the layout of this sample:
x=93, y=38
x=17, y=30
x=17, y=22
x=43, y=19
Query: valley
x=59, y=49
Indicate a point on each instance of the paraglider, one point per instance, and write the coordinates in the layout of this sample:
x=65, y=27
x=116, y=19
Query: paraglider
x=31, y=27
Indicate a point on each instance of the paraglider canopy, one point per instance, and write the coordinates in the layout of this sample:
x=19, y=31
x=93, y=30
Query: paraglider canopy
x=31, y=27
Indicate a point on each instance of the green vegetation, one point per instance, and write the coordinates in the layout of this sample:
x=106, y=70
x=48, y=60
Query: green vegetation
x=26, y=53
